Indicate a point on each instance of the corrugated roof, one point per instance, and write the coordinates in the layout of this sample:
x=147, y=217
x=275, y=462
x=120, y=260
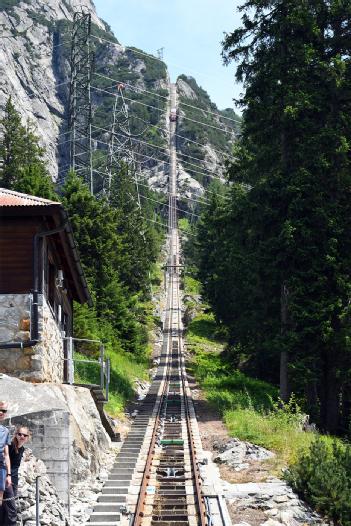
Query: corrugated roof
x=11, y=198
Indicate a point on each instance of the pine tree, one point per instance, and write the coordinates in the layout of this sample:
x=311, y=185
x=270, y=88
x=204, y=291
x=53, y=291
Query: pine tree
x=95, y=225
x=23, y=168
x=140, y=242
x=291, y=231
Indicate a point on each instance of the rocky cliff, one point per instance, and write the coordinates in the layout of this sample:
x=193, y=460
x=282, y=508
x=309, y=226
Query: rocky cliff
x=31, y=47
x=34, y=70
x=67, y=433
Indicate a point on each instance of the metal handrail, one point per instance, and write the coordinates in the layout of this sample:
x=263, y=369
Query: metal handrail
x=105, y=364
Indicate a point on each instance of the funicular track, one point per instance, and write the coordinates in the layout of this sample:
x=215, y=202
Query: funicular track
x=172, y=469
x=158, y=462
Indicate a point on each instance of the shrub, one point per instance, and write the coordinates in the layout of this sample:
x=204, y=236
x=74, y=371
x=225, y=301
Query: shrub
x=322, y=477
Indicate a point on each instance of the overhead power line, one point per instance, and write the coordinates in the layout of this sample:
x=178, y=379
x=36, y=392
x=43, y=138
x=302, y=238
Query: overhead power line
x=156, y=159
x=161, y=148
x=167, y=205
x=153, y=93
x=220, y=152
x=149, y=56
x=206, y=202
x=164, y=111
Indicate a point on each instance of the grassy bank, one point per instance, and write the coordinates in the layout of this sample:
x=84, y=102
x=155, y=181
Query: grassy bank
x=249, y=407
x=126, y=367
x=318, y=467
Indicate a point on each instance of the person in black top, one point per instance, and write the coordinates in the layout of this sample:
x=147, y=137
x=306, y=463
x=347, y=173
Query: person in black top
x=16, y=450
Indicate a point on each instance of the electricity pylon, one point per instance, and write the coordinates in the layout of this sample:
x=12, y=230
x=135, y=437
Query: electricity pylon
x=80, y=113
x=121, y=146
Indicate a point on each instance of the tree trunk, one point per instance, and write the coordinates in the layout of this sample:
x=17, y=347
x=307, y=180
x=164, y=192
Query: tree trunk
x=284, y=388
x=346, y=408
x=284, y=385
x=333, y=402
x=330, y=400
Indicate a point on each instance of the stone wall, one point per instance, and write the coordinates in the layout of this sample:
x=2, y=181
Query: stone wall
x=67, y=433
x=47, y=362
x=51, y=443
x=51, y=508
x=41, y=363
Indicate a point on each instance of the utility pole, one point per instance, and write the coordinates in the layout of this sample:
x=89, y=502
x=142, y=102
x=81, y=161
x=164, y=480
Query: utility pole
x=80, y=113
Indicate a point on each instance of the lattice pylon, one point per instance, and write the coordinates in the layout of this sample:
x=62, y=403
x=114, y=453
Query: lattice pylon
x=80, y=111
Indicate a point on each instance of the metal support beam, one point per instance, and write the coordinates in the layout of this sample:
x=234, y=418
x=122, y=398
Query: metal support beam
x=80, y=113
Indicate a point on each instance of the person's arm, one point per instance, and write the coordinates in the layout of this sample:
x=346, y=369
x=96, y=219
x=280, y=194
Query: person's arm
x=8, y=466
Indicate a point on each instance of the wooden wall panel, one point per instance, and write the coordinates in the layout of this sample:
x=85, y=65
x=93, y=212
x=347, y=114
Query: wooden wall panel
x=16, y=253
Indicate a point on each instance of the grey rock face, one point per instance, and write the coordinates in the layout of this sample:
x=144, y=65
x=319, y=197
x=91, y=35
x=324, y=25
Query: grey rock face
x=87, y=435
x=30, y=68
x=185, y=90
x=237, y=454
x=275, y=499
x=34, y=69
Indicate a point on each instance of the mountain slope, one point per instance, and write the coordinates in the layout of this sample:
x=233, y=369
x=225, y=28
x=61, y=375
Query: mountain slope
x=34, y=70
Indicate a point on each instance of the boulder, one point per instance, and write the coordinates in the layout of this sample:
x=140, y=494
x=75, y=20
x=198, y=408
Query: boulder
x=238, y=454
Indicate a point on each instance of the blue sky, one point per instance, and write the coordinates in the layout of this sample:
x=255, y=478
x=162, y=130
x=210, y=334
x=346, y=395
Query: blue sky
x=189, y=30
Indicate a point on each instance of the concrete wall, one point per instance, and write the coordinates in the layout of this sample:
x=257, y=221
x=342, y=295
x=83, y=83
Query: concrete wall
x=51, y=443
x=44, y=361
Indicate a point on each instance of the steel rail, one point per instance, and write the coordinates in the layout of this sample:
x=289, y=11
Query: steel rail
x=150, y=456
x=195, y=465
x=172, y=333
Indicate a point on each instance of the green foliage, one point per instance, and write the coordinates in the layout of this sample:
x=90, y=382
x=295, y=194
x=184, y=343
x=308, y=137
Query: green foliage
x=322, y=477
x=118, y=250
x=95, y=226
x=23, y=168
x=192, y=285
x=230, y=389
x=278, y=431
x=275, y=260
x=125, y=369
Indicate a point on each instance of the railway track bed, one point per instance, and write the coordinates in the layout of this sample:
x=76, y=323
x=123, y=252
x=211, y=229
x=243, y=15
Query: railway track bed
x=161, y=476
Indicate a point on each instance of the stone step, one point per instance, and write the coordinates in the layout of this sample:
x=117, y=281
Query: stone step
x=115, y=490
x=107, y=516
x=117, y=483
x=121, y=476
x=103, y=507
x=118, y=499
x=122, y=470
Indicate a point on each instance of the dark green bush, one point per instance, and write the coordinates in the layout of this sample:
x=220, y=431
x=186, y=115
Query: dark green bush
x=322, y=477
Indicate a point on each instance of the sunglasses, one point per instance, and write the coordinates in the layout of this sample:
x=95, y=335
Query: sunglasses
x=22, y=435
x=3, y=410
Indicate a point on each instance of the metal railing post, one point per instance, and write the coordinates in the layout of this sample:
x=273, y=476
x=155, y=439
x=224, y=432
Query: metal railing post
x=102, y=373
x=37, y=510
x=108, y=377
x=70, y=363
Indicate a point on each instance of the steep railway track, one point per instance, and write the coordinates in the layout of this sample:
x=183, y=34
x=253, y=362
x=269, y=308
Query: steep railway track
x=156, y=480
x=172, y=471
